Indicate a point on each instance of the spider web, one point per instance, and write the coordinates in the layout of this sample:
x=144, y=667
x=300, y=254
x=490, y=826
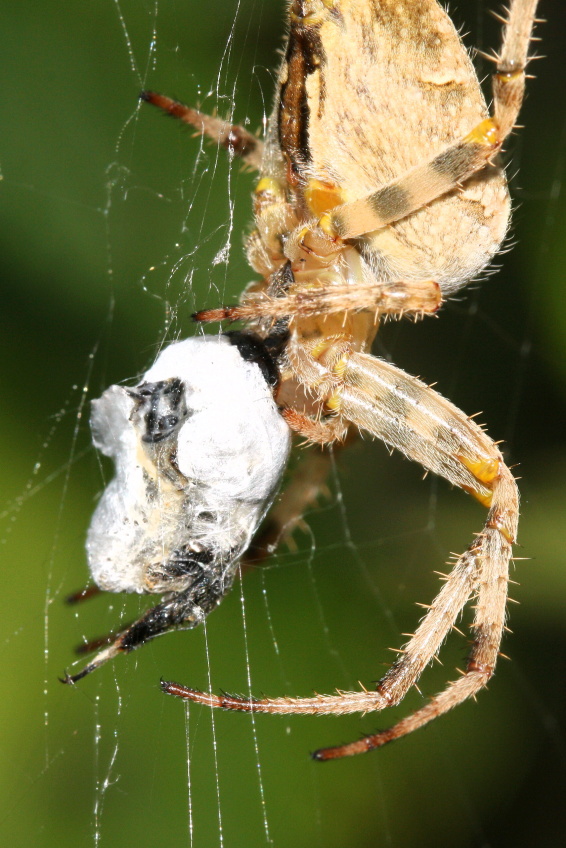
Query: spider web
x=116, y=225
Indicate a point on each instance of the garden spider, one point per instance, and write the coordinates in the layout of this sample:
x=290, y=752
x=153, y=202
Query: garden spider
x=380, y=194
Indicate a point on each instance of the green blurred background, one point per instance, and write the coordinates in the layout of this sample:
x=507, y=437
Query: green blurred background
x=113, y=224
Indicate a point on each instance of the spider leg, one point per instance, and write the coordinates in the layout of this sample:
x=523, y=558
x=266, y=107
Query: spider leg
x=430, y=634
x=492, y=550
x=415, y=188
x=508, y=82
x=423, y=425
x=233, y=137
x=307, y=482
x=416, y=298
x=412, y=417
x=85, y=594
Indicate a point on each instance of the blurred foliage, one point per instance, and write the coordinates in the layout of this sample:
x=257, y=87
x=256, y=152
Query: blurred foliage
x=113, y=222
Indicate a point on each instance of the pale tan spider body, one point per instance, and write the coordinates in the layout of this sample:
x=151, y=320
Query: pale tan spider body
x=393, y=87
x=380, y=193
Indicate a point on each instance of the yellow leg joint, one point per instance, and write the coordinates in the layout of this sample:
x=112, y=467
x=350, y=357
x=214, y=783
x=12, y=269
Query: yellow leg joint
x=509, y=76
x=270, y=188
x=326, y=224
x=339, y=367
x=486, y=133
x=321, y=197
x=321, y=347
x=334, y=402
x=485, y=500
x=485, y=471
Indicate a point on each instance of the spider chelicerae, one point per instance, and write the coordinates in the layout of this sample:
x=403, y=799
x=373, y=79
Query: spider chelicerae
x=380, y=194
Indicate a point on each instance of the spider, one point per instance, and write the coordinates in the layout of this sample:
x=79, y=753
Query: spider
x=380, y=194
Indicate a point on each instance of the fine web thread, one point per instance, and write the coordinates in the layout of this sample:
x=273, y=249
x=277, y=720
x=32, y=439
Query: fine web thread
x=189, y=784
x=268, y=838
x=214, y=742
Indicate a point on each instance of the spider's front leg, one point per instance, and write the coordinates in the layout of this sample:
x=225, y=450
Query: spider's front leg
x=412, y=417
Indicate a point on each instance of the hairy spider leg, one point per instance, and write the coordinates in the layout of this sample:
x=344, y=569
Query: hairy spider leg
x=306, y=484
x=397, y=300
x=413, y=418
